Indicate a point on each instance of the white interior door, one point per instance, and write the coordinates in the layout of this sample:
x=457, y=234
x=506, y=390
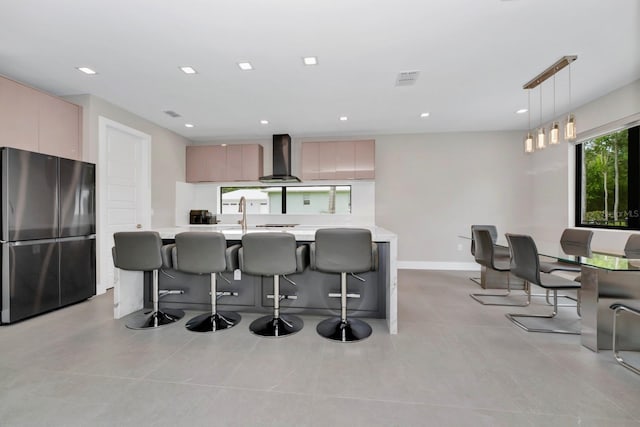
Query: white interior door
x=124, y=196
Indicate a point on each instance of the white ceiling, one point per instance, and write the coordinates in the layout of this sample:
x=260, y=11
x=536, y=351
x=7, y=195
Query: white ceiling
x=473, y=57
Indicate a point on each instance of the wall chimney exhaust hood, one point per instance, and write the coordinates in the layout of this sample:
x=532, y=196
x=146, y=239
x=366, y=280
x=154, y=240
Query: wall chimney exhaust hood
x=281, y=161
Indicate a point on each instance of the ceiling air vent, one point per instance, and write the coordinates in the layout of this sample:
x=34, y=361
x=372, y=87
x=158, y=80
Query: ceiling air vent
x=172, y=113
x=407, y=78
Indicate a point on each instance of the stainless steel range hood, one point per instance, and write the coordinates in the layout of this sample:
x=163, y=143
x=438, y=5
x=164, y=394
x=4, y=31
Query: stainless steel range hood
x=281, y=161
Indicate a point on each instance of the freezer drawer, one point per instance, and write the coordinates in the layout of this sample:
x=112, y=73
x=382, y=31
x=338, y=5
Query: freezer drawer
x=29, y=279
x=77, y=270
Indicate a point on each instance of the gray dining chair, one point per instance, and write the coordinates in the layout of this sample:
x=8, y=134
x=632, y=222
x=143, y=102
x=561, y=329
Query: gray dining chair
x=573, y=241
x=526, y=265
x=619, y=308
x=486, y=257
x=500, y=251
x=632, y=247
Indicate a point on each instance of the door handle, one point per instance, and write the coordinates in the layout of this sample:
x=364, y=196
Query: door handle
x=138, y=226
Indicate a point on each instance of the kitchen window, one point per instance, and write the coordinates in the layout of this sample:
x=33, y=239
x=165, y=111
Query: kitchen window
x=608, y=180
x=308, y=199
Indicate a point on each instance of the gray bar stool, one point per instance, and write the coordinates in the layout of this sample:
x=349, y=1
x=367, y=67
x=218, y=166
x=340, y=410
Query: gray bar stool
x=141, y=251
x=343, y=250
x=207, y=253
x=273, y=254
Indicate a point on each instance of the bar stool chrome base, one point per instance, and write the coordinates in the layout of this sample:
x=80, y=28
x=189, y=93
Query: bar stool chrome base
x=156, y=319
x=350, y=330
x=213, y=322
x=269, y=326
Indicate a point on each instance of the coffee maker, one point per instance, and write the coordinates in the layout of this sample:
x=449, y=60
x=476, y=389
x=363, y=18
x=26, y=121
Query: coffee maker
x=201, y=216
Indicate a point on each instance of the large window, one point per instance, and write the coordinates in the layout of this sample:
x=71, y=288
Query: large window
x=608, y=180
x=314, y=199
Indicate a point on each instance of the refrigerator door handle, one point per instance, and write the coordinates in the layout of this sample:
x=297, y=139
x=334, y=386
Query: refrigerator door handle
x=31, y=242
x=74, y=238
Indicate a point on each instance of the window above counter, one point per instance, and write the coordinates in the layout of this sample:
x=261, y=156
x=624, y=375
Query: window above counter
x=308, y=199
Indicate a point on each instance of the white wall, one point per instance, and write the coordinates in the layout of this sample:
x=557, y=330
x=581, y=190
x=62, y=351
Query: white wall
x=430, y=188
x=167, y=153
x=553, y=170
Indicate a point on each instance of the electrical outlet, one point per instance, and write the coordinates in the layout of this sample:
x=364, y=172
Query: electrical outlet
x=237, y=274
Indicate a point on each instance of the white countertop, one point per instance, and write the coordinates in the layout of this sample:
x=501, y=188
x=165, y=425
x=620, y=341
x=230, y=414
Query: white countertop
x=302, y=232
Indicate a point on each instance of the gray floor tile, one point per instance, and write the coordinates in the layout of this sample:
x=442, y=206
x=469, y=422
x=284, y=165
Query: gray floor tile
x=454, y=362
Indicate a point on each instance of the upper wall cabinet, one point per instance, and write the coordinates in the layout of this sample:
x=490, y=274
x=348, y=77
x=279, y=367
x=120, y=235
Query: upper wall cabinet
x=338, y=160
x=59, y=127
x=217, y=163
x=36, y=121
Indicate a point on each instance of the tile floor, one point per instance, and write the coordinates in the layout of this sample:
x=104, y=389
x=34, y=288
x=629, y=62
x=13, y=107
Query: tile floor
x=453, y=363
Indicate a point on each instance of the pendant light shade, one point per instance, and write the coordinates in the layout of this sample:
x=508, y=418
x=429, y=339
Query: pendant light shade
x=570, y=132
x=541, y=140
x=528, y=143
x=554, y=133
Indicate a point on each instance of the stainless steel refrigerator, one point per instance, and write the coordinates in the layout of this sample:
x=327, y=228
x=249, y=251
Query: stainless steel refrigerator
x=48, y=233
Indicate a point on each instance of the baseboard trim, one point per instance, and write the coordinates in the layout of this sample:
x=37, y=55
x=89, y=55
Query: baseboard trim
x=430, y=265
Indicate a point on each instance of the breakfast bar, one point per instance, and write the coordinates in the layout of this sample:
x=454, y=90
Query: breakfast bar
x=378, y=293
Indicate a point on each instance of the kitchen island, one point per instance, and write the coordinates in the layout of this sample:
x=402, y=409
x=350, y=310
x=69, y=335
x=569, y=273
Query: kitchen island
x=130, y=295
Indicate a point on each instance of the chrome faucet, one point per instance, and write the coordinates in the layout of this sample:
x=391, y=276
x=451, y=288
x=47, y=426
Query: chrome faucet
x=242, y=207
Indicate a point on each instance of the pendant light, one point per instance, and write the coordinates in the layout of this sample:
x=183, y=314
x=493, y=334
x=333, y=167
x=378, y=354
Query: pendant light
x=528, y=139
x=554, y=130
x=570, y=132
x=531, y=144
x=541, y=142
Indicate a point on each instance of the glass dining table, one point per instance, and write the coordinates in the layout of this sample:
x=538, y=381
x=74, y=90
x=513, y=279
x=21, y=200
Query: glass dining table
x=605, y=279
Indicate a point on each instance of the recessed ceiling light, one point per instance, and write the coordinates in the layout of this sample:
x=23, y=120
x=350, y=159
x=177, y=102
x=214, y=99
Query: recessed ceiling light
x=425, y=114
x=86, y=70
x=343, y=118
x=188, y=125
x=310, y=60
x=188, y=70
x=522, y=111
x=224, y=145
x=264, y=122
x=245, y=66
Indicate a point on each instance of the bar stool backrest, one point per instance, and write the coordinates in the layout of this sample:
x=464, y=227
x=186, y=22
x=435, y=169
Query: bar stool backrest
x=340, y=250
x=137, y=250
x=200, y=252
x=267, y=254
x=525, y=262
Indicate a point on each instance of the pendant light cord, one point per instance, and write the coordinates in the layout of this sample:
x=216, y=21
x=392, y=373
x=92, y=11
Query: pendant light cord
x=541, y=106
x=529, y=110
x=554, y=97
